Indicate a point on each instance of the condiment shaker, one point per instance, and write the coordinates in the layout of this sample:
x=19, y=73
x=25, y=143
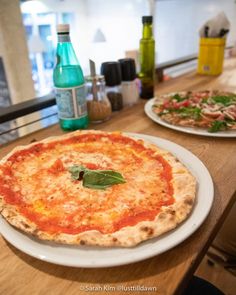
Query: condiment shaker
x=98, y=105
x=129, y=85
x=112, y=73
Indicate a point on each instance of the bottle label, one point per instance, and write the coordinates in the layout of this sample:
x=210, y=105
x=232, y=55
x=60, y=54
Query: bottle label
x=71, y=102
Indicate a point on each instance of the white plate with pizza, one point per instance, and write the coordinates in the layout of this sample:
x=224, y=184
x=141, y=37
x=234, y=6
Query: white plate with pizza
x=206, y=113
x=100, y=199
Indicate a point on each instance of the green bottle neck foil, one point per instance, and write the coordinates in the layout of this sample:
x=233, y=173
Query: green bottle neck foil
x=68, y=74
x=147, y=62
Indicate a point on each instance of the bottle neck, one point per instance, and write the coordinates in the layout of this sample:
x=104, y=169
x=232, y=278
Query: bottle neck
x=65, y=51
x=62, y=38
x=147, y=31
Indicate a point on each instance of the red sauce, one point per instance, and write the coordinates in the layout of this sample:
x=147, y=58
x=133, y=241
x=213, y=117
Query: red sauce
x=10, y=196
x=52, y=224
x=130, y=220
x=92, y=166
x=21, y=154
x=57, y=167
x=38, y=148
x=7, y=170
x=166, y=173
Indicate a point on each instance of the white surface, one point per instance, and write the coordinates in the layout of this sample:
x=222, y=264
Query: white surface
x=191, y=130
x=90, y=257
x=177, y=24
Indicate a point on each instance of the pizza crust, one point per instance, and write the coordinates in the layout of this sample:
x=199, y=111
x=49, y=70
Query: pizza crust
x=184, y=184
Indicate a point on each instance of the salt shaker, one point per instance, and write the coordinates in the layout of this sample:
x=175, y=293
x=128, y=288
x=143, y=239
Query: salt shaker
x=129, y=85
x=112, y=73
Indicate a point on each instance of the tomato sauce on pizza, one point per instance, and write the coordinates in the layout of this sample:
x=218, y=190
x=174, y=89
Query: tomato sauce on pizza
x=36, y=185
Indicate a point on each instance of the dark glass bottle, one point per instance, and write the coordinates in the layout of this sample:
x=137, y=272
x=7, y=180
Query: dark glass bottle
x=69, y=84
x=147, y=59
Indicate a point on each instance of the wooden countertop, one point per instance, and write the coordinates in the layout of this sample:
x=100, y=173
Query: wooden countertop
x=169, y=272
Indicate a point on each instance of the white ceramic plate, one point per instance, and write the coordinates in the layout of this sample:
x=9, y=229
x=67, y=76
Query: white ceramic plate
x=85, y=256
x=197, y=131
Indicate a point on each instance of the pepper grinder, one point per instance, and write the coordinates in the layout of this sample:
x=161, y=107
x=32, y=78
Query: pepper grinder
x=129, y=85
x=112, y=73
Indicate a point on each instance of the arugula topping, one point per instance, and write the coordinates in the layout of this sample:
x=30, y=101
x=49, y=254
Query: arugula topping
x=223, y=99
x=164, y=112
x=193, y=112
x=217, y=126
x=178, y=98
x=185, y=112
x=96, y=179
x=204, y=100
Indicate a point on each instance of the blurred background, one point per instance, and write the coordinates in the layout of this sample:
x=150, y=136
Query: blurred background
x=108, y=29
x=102, y=30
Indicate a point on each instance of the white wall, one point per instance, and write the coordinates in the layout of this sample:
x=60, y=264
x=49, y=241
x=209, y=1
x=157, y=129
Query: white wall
x=120, y=21
x=178, y=22
x=176, y=25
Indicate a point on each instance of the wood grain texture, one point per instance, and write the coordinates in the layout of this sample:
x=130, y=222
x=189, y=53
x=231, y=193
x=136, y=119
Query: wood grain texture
x=22, y=275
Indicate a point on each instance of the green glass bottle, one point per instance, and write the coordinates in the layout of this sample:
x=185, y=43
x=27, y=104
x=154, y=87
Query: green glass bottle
x=147, y=59
x=69, y=84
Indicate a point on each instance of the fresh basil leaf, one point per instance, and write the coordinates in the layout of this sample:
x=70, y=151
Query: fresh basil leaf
x=101, y=179
x=77, y=171
x=97, y=179
x=217, y=126
x=94, y=186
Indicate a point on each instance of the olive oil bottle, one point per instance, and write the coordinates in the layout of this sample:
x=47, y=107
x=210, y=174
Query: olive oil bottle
x=69, y=84
x=147, y=59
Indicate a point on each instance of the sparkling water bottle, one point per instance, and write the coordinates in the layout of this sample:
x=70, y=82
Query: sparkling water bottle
x=69, y=84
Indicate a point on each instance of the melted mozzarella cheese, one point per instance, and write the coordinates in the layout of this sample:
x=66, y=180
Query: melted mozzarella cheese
x=55, y=195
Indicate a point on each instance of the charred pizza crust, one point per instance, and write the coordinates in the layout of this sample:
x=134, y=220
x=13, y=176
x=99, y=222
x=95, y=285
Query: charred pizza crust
x=184, y=186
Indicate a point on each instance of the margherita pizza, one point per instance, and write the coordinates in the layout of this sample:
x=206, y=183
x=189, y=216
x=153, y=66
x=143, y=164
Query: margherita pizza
x=211, y=110
x=94, y=188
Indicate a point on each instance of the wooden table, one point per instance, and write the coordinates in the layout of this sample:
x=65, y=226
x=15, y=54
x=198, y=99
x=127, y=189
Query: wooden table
x=168, y=273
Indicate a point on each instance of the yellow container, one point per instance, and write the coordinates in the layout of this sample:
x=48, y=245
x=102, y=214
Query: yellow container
x=211, y=56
